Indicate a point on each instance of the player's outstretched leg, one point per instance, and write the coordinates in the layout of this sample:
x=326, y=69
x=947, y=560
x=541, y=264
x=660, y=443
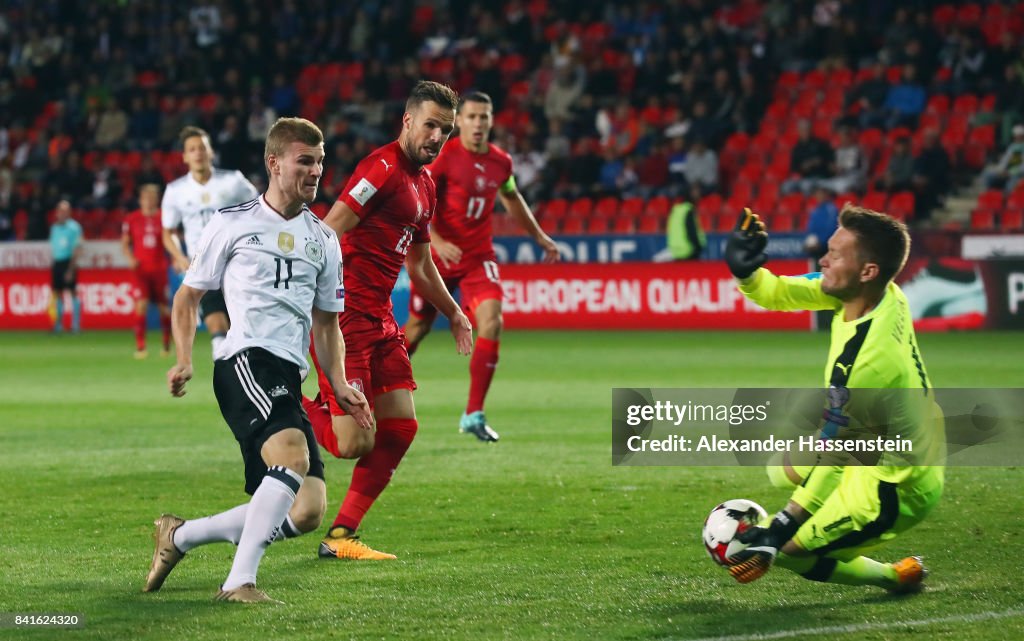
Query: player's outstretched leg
x=904, y=576
x=165, y=554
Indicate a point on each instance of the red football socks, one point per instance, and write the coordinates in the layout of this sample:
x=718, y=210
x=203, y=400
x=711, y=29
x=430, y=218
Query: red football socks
x=323, y=425
x=374, y=470
x=481, y=371
x=140, y=332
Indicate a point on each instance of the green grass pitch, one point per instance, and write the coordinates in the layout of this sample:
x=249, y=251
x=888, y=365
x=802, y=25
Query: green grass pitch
x=537, y=537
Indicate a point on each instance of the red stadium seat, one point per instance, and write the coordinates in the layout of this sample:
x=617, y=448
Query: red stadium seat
x=991, y=200
x=659, y=206
x=791, y=204
x=983, y=219
x=550, y=226
x=965, y=104
x=710, y=205
x=901, y=205
x=650, y=224
x=623, y=224
x=846, y=197
x=938, y=105
x=599, y=226
x=633, y=207
x=984, y=136
x=742, y=190
x=1016, y=199
x=875, y=200
x=556, y=209
x=573, y=226
x=943, y=17
x=581, y=207
x=607, y=207
x=780, y=222
x=1012, y=220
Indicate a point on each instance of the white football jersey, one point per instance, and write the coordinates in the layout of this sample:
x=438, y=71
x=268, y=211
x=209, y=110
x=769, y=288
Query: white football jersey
x=272, y=272
x=188, y=204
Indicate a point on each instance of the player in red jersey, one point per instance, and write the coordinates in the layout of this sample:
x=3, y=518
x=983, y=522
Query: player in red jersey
x=381, y=218
x=141, y=242
x=470, y=173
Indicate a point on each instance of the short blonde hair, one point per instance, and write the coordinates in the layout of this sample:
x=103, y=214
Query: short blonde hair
x=289, y=130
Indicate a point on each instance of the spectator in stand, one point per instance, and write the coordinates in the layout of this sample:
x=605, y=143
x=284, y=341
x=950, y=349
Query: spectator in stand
x=564, y=91
x=700, y=170
x=931, y=179
x=112, y=126
x=867, y=100
x=1010, y=101
x=584, y=172
x=612, y=170
x=677, y=168
x=620, y=129
x=808, y=161
x=8, y=205
x=629, y=180
x=905, y=101
x=70, y=178
x=821, y=223
x=899, y=172
x=106, y=187
x=969, y=65
x=148, y=174
x=750, y=106
x=529, y=167
x=652, y=170
x=1010, y=169
x=850, y=166
x=702, y=126
x=143, y=123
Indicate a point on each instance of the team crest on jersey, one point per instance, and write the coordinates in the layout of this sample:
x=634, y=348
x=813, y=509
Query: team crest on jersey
x=285, y=242
x=314, y=251
x=357, y=383
x=481, y=183
x=206, y=198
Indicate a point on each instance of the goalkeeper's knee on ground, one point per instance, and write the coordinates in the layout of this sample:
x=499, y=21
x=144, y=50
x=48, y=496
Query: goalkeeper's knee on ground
x=783, y=475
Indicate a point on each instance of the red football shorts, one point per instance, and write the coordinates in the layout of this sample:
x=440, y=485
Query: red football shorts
x=376, y=361
x=151, y=285
x=477, y=284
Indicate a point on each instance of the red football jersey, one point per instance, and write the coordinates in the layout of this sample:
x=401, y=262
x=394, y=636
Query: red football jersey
x=146, y=234
x=394, y=200
x=467, y=184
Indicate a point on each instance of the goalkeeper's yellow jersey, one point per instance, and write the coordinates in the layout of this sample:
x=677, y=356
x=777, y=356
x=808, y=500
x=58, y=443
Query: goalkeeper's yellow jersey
x=876, y=351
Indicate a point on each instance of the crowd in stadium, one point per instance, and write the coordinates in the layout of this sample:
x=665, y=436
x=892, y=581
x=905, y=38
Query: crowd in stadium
x=763, y=103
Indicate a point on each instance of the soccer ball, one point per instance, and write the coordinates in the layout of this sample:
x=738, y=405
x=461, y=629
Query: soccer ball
x=724, y=523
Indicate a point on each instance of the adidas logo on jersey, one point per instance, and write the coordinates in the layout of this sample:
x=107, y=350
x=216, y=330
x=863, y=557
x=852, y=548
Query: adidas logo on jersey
x=255, y=241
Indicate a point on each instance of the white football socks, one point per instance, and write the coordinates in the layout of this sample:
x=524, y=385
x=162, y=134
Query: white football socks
x=267, y=510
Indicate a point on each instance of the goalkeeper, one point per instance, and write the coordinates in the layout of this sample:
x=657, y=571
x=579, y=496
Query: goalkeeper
x=838, y=513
